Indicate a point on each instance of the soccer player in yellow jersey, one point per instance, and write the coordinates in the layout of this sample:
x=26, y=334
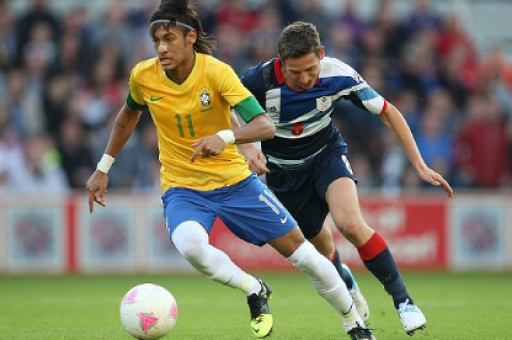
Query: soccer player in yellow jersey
x=189, y=95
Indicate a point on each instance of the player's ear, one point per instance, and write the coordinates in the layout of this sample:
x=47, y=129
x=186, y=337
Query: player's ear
x=192, y=36
x=321, y=53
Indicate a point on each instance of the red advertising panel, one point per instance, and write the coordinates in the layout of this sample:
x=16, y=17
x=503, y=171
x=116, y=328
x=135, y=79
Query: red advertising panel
x=414, y=227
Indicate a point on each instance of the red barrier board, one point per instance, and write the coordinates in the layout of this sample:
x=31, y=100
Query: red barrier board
x=415, y=229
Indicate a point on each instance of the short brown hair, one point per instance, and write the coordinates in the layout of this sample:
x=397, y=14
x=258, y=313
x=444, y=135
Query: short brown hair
x=297, y=40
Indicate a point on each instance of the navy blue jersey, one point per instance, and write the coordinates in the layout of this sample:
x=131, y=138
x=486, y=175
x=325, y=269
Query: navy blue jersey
x=303, y=118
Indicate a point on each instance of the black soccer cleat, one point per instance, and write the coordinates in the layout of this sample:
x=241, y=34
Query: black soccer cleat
x=261, y=319
x=361, y=333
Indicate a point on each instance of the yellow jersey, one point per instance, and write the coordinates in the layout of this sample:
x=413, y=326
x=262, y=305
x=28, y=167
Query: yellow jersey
x=185, y=113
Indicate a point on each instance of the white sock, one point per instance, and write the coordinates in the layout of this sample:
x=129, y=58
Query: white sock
x=191, y=240
x=324, y=277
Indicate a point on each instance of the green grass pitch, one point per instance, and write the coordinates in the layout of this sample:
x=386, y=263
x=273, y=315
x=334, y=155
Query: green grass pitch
x=458, y=306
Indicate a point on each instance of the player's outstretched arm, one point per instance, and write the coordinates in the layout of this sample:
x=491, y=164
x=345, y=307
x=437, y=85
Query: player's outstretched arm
x=396, y=122
x=123, y=128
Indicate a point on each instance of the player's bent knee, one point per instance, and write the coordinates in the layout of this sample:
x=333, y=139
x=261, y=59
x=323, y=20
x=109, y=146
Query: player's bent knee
x=302, y=258
x=351, y=229
x=191, y=240
x=287, y=244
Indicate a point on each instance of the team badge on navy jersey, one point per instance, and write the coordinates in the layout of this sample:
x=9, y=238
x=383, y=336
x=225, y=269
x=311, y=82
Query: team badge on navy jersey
x=323, y=103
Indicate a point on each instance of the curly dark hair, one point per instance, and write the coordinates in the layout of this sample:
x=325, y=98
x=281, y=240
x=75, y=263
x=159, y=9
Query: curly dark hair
x=183, y=11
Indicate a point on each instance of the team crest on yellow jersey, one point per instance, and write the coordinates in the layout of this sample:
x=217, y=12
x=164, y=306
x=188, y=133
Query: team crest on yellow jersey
x=204, y=96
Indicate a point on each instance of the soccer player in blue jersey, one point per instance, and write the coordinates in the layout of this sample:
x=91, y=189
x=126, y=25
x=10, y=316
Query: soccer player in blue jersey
x=306, y=162
x=189, y=95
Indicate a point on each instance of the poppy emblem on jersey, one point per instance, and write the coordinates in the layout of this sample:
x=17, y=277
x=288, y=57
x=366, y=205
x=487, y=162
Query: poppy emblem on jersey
x=323, y=103
x=204, y=97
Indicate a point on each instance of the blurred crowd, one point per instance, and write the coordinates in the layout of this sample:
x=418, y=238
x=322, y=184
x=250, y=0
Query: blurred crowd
x=63, y=78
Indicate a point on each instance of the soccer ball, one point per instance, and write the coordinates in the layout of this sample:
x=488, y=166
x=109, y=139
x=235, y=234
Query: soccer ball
x=148, y=312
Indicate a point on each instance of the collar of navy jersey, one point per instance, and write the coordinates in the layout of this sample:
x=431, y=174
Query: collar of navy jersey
x=167, y=21
x=277, y=71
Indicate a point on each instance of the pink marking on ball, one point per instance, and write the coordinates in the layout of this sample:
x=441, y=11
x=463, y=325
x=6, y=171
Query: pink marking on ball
x=147, y=321
x=174, y=311
x=130, y=297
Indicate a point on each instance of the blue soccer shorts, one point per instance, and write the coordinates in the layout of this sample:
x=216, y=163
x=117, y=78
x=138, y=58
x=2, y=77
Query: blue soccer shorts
x=302, y=191
x=247, y=208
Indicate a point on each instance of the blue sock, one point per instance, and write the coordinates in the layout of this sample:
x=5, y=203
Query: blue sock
x=345, y=276
x=384, y=268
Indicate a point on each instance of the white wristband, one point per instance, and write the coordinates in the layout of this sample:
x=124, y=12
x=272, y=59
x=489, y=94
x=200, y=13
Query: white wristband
x=228, y=136
x=105, y=163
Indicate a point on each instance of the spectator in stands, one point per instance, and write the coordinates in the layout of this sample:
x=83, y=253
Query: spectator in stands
x=103, y=92
x=441, y=102
x=482, y=146
x=113, y=28
x=74, y=151
x=422, y=18
x=23, y=105
x=237, y=14
x=314, y=11
x=386, y=21
x=147, y=177
x=341, y=43
x=434, y=143
x=496, y=64
x=351, y=20
x=457, y=52
x=74, y=49
x=39, y=14
x=418, y=64
x=58, y=91
x=262, y=38
x=495, y=77
x=286, y=8
x=232, y=46
x=39, y=170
